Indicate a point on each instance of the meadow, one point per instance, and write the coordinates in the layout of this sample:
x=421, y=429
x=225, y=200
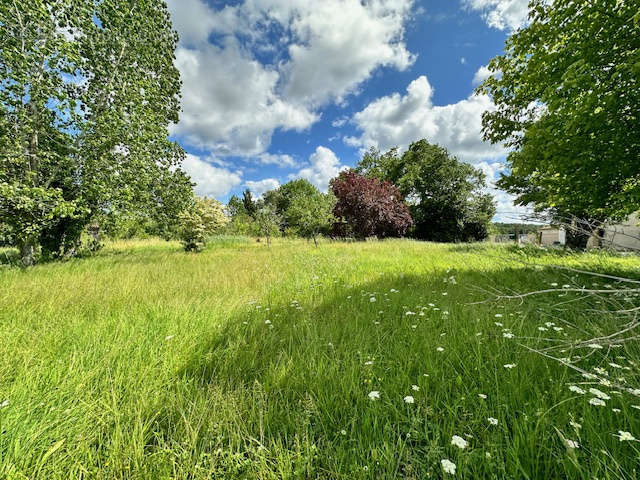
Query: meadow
x=347, y=361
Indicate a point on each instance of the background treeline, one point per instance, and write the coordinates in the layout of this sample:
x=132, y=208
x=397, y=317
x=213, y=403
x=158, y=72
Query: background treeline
x=425, y=193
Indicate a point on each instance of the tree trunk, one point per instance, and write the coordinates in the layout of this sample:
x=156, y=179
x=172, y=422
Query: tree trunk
x=315, y=242
x=28, y=253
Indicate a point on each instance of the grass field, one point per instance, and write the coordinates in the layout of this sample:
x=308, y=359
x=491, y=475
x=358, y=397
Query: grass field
x=260, y=363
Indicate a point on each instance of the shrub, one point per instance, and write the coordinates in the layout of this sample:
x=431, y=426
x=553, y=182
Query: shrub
x=203, y=219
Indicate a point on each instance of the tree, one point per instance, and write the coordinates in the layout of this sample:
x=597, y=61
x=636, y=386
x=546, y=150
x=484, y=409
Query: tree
x=311, y=213
x=87, y=91
x=445, y=195
x=369, y=206
x=567, y=96
x=249, y=204
x=268, y=221
x=203, y=218
x=280, y=199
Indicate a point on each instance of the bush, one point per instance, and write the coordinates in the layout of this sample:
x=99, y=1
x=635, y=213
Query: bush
x=204, y=218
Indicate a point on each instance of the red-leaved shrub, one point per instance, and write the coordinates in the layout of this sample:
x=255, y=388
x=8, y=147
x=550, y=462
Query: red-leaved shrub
x=370, y=207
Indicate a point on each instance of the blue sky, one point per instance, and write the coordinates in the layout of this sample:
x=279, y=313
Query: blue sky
x=282, y=89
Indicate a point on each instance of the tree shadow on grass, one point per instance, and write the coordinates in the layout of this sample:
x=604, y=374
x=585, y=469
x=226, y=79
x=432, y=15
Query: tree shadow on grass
x=282, y=392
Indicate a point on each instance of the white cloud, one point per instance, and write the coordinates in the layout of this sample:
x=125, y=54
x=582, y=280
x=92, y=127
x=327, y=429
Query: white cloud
x=325, y=165
x=501, y=14
x=397, y=120
x=233, y=103
x=481, y=75
x=339, y=43
x=463, y=60
x=210, y=180
x=232, y=110
x=259, y=187
x=279, y=159
x=340, y=122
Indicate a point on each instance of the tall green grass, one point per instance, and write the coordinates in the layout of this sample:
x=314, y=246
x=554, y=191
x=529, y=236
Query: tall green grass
x=252, y=362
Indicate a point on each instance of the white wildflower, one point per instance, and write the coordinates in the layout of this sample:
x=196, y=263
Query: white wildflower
x=498, y=324
x=576, y=389
x=369, y=362
x=595, y=346
x=440, y=349
x=415, y=388
x=4, y=404
x=169, y=337
x=508, y=335
x=372, y=299
x=492, y=421
x=409, y=399
x=448, y=466
x=374, y=395
x=498, y=315
x=575, y=425
x=597, y=402
x=572, y=443
x=626, y=436
x=459, y=442
x=510, y=365
x=482, y=396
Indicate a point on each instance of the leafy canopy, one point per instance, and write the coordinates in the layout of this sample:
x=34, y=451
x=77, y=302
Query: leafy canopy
x=370, y=207
x=445, y=196
x=567, y=95
x=87, y=91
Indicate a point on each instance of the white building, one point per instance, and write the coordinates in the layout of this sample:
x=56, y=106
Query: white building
x=621, y=236
x=552, y=235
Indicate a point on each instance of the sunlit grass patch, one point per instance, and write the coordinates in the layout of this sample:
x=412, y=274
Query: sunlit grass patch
x=358, y=360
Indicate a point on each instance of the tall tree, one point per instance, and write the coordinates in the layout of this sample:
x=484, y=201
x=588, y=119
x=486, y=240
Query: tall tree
x=249, y=204
x=87, y=91
x=567, y=96
x=445, y=196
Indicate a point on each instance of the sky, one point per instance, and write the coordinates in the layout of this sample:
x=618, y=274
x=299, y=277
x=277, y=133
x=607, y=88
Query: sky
x=275, y=90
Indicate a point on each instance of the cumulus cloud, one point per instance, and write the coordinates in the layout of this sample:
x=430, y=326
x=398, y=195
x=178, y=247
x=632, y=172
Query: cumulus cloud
x=210, y=180
x=259, y=187
x=338, y=44
x=398, y=120
x=279, y=159
x=324, y=165
x=234, y=99
x=501, y=14
x=232, y=110
x=481, y=75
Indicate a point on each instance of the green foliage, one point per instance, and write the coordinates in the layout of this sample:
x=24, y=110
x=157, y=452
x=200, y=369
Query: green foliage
x=249, y=204
x=268, y=221
x=87, y=91
x=204, y=218
x=568, y=104
x=445, y=195
x=311, y=213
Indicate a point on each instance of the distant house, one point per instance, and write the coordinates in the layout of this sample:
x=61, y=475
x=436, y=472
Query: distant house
x=620, y=236
x=552, y=235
